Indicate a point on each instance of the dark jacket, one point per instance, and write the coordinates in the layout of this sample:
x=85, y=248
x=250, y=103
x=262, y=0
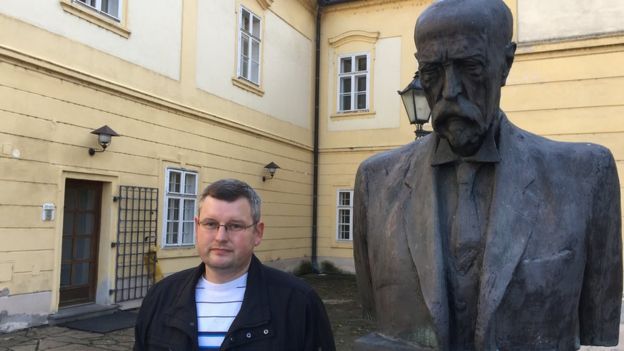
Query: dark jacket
x=279, y=312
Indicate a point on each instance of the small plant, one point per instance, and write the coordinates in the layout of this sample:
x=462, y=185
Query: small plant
x=329, y=267
x=304, y=267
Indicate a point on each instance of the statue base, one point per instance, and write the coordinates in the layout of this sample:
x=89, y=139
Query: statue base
x=378, y=342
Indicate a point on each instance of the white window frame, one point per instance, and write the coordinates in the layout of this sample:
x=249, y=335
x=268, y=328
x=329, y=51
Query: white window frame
x=354, y=74
x=349, y=209
x=97, y=6
x=251, y=38
x=184, y=197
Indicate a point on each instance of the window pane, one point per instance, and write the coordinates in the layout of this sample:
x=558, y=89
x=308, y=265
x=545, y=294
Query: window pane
x=361, y=63
x=255, y=30
x=86, y=199
x=360, y=84
x=172, y=233
x=245, y=68
x=245, y=45
x=111, y=7
x=189, y=183
x=255, y=74
x=83, y=248
x=189, y=209
x=345, y=103
x=245, y=20
x=255, y=50
x=173, y=210
x=187, y=233
x=345, y=65
x=86, y=224
x=174, y=182
x=361, y=101
x=255, y=61
x=344, y=198
x=345, y=85
x=80, y=273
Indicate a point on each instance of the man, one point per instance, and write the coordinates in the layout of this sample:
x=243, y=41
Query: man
x=231, y=301
x=482, y=236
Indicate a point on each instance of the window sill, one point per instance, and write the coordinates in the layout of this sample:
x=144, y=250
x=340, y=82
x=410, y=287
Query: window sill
x=338, y=116
x=246, y=85
x=92, y=17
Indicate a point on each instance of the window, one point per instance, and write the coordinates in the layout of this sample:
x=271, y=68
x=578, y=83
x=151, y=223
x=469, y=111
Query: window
x=353, y=83
x=109, y=8
x=180, y=204
x=344, y=216
x=249, y=47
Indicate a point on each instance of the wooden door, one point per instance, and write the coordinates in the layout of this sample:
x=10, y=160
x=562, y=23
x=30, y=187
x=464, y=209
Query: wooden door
x=81, y=236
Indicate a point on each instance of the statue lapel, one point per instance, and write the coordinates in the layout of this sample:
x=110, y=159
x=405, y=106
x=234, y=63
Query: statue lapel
x=420, y=224
x=513, y=211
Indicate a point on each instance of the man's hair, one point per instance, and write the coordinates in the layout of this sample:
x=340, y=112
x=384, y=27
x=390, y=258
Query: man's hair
x=231, y=190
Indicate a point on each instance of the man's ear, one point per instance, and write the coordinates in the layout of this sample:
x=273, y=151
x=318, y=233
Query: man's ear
x=510, y=52
x=259, y=233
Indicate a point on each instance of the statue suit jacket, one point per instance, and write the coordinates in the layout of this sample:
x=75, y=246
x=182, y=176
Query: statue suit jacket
x=551, y=276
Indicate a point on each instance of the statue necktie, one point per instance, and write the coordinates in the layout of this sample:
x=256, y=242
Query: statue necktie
x=465, y=232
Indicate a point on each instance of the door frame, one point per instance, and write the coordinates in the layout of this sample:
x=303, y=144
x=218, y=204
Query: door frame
x=106, y=254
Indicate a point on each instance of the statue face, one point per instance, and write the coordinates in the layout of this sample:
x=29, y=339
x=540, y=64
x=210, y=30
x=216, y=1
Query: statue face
x=462, y=73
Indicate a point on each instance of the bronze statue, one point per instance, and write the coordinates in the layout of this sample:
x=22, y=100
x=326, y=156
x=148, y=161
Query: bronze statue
x=483, y=236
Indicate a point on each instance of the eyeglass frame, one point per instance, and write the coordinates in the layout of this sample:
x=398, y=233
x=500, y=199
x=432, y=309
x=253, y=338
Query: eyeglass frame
x=226, y=226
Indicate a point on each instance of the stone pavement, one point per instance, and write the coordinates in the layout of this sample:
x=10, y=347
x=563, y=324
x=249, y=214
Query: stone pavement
x=55, y=338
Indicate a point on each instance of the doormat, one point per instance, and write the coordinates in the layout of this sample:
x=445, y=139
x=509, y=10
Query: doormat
x=104, y=324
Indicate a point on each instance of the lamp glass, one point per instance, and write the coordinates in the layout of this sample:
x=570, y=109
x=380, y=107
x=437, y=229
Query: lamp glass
x=410, y=106
x=421, y=106
x=104, y=139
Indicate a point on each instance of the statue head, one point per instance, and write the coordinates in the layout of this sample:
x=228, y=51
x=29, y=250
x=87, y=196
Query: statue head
x=464, y=53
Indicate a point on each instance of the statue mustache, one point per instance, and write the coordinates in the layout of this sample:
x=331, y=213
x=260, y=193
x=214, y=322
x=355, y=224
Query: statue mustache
x=444, y=110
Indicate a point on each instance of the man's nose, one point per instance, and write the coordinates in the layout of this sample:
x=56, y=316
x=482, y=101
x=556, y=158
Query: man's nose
x=452, y=83
x=221, y=234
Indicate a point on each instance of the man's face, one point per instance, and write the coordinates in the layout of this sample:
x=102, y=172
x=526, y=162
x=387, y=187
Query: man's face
x=462, y=77
x=226, y=254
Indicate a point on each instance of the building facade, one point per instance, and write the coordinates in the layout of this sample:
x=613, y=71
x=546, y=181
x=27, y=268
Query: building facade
x=204, y=90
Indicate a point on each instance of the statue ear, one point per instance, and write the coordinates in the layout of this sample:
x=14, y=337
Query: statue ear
x=510, y=52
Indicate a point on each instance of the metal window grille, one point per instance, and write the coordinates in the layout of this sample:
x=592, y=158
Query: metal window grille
x=136, y=242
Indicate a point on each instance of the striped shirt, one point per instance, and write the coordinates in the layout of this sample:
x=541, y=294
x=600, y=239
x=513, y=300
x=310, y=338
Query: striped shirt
x=217, y=306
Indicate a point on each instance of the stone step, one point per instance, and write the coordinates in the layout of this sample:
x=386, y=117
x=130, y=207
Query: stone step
x=73, y=313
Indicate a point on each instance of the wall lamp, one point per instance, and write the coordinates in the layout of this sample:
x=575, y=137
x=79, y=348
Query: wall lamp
x=270, y=171
x=416, y=105
x=105, y=135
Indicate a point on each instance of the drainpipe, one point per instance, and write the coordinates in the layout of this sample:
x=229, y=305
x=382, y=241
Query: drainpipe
x=315, y=166
x=317, y=73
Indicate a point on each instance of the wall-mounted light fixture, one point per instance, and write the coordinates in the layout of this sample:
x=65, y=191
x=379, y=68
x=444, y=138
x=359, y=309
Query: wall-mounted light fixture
x=416, y=105
x=105, y=135
x=270, y=171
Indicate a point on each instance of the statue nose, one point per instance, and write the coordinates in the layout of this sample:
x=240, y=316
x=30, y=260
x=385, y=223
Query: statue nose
x=452, y=83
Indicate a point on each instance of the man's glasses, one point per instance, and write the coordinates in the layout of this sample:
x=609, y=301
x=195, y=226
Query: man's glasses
x=214, y=226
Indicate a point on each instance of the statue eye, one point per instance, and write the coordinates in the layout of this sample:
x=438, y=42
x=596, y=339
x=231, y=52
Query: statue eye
x=428, y=73
x=472, y=67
